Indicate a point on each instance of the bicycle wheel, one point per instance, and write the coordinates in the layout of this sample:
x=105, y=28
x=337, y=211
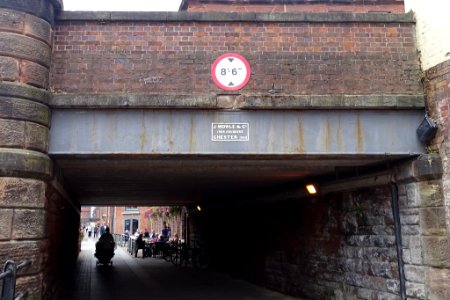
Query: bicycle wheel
x=167, y=253
x=176, y=259
x=201, y=259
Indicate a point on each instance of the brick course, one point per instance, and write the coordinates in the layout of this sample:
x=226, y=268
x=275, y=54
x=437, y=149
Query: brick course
x=392, y=6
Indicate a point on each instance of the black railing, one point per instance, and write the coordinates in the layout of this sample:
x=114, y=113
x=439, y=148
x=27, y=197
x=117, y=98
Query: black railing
x=9, y=276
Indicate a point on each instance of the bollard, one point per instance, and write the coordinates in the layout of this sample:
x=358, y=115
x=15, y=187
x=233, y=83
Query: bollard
x=9, y=280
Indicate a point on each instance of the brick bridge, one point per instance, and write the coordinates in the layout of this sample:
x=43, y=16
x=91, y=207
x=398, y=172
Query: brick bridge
x=119, y=108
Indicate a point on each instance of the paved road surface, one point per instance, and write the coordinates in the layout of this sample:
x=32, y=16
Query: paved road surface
x=153, y=278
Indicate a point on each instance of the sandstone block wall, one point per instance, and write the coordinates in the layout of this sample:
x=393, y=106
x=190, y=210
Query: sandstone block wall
x=341, y=245
x=25, y=47
x=28, y=210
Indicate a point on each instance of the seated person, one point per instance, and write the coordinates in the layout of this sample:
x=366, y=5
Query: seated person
x=105, y=244
x=175, y=239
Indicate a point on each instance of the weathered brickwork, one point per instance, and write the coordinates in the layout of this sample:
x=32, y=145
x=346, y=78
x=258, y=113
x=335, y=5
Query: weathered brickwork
x=437, y=86
x=337, y=246
x=176, y=57
x=437, y=218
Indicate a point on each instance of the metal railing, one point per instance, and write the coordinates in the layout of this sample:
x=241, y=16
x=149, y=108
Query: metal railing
x=9, y=276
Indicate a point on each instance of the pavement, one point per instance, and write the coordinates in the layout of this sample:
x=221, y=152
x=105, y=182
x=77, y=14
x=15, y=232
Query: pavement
x=154, y=278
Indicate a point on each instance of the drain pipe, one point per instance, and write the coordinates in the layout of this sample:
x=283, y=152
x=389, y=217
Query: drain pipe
x=398, y=238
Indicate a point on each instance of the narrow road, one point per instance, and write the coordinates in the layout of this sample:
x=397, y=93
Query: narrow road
x=154, y=278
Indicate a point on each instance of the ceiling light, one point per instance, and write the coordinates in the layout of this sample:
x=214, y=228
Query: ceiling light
x=311, y=189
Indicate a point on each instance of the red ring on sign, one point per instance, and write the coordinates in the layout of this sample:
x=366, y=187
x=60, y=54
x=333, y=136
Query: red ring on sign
x=225, y=87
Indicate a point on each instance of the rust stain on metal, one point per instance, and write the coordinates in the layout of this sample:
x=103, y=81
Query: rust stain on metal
x=360, y=136
x=328, y=135
x=111, y=133
x=301, y=136
x=170, y=132
x=192, y=135
x=93, y=133
x=340, y=137
x=143, y=135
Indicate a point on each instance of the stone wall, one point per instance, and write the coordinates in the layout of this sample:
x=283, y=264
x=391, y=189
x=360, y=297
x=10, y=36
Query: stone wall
x=341, y=245
x=424, y=231
x=60, y=247
x=36, y=225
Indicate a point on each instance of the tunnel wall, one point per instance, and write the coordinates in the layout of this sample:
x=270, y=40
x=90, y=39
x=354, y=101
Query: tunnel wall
x=61, y=245
x=341, y=245
x=334, y=247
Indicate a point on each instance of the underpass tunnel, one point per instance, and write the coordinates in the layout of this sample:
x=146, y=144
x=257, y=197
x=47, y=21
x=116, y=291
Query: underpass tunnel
x=337, y=243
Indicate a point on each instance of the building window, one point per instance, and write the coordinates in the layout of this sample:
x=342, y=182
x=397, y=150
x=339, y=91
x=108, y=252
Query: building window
x=131, y=225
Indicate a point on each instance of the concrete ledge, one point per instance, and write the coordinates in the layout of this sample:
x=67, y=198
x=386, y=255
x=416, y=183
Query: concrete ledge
x=334, y=102
x=19, y=90
x=332, y=17
x=132, y=101
x=24, y=164
x=243, y=102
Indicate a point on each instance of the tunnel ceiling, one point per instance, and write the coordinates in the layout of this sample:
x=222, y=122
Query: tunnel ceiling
x=178, y=180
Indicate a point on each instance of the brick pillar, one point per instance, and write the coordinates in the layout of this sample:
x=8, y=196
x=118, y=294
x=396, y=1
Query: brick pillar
x=25, y=168
x=437, y=243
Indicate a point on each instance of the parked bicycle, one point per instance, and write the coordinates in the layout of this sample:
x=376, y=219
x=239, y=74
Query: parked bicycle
x=197, y=255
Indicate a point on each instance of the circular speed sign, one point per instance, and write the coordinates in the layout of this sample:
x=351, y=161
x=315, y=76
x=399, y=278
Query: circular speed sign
x=230, y=71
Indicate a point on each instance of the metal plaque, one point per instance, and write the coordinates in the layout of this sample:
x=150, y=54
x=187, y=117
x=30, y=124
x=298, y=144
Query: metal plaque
x=230, y=132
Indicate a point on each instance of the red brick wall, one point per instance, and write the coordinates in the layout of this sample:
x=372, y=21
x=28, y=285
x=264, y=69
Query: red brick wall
x=392, y=6
x=144, y=222
x=176, y=57
x=437, y=87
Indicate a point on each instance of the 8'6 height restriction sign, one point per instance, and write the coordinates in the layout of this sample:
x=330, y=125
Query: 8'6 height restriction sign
x=231, y=72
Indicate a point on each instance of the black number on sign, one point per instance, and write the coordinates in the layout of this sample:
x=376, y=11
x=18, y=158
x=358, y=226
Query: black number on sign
x=234, y=71
x=223, y=71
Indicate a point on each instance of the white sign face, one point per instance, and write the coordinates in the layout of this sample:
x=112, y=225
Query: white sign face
x=231, y=72
x=229, y=132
